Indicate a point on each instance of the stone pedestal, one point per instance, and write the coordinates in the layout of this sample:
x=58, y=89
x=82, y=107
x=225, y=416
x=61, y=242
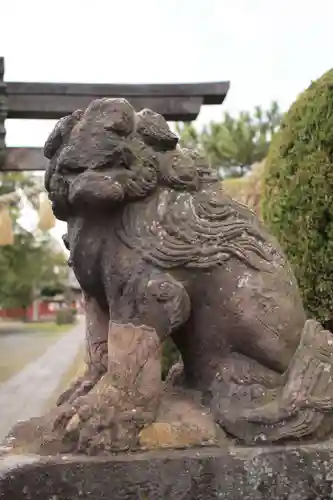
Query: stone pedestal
x=235, y=473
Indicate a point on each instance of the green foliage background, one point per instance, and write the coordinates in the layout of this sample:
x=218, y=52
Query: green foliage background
x=297, y=202
x=234, y=144
x=33, y=264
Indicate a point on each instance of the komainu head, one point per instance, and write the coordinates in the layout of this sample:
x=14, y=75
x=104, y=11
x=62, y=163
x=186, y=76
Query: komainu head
x=109, y=154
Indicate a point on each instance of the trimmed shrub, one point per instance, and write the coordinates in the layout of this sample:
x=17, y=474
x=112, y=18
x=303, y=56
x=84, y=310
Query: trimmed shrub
x=297, y=198
x=65, y=316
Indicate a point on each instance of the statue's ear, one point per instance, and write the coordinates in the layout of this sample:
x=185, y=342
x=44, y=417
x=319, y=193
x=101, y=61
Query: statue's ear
x=178, y=170
x=60, y=131
x=55, y=141
x=155, y=131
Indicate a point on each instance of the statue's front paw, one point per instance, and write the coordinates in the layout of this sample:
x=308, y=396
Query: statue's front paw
x=103, y=420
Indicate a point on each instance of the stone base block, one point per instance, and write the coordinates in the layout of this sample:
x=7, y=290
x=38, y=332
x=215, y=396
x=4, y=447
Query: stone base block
x=234, y=473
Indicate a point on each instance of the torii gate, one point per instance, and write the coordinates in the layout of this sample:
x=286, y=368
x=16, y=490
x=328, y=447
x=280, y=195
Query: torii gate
x=176, y=102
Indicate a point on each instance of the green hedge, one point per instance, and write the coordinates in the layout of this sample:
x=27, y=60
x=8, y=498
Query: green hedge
x=66, y=316
x=170, y=356
x=297, y=198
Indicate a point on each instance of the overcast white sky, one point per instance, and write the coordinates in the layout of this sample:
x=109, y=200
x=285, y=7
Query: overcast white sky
x=269, y=50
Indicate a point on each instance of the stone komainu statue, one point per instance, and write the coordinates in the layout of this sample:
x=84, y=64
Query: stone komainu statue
x=161, y=250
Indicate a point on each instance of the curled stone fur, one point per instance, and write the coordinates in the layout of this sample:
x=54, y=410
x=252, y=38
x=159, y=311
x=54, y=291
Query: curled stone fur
x=156, y=243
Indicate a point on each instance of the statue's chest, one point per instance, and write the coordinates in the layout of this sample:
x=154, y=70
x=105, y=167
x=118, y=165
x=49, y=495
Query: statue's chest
x=98, y=256
x=85, y=256
x=86, y=243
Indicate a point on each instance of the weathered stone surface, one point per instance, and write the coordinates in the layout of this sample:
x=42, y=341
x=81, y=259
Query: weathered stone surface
x=119, y=423
x=161, y=251
x=182, y=422
x=276, y=473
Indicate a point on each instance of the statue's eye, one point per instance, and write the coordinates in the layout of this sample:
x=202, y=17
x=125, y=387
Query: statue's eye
x=66, y=168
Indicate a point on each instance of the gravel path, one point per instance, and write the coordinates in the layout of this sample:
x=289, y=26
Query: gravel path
x=25, y=394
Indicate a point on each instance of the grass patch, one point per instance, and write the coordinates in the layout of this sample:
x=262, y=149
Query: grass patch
x=26, y=343
x=9, y=369
x=48, y=327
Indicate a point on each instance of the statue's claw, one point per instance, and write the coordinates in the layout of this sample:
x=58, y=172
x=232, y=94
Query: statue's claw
x=80, y=387
x=102, y=420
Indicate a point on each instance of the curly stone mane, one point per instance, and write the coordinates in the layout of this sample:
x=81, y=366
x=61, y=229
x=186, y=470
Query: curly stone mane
x=197, y=229
x=184, y=217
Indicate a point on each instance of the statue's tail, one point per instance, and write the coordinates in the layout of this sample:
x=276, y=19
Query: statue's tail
x=303, y=405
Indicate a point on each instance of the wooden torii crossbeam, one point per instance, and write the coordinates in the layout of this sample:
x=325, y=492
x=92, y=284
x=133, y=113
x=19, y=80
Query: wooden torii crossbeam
x=176, y=102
